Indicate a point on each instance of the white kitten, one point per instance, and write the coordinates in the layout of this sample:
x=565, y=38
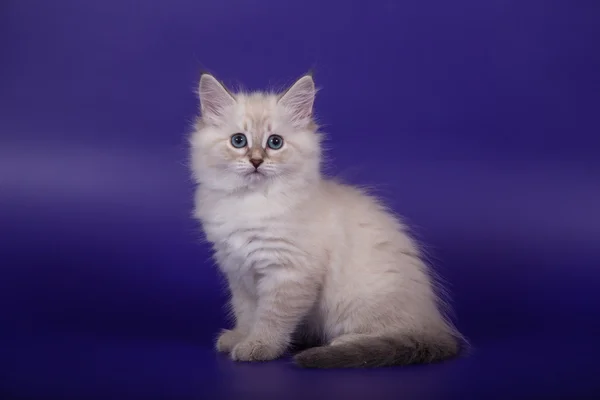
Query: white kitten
x=309, y=261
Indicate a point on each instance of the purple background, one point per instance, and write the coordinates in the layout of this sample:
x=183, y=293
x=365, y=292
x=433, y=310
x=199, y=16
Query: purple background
x=477, y=120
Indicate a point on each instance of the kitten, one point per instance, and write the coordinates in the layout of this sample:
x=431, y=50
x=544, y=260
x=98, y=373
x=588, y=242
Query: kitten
x=309, y=261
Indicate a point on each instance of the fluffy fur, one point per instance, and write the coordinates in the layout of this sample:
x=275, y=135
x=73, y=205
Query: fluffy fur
x=309, y=261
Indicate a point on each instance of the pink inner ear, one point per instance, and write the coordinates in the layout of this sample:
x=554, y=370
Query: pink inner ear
x=298, y=100
x=214, y=98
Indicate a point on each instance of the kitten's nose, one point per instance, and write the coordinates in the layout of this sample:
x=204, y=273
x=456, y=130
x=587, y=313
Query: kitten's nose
x=256, y=162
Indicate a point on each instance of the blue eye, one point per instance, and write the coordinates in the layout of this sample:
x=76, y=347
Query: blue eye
x=275, y=142
x=239, y=140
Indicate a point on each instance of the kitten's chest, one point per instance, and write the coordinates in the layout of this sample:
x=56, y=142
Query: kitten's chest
x=241, y=231
x=248, y=248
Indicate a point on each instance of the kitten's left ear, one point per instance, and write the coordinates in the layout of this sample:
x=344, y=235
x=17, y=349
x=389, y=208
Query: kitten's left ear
x=299, y=99
x=215, y=99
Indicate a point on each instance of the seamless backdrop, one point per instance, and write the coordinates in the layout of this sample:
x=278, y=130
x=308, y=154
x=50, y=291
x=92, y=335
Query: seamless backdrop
x=476, y=120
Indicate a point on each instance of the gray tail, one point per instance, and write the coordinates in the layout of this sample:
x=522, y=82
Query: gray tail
x=380, y=352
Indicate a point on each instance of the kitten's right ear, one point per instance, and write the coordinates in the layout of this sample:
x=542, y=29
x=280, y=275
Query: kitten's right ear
x=215, y=99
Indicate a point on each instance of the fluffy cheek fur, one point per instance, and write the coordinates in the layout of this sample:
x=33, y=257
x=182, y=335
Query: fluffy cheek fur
x=299, y=156
x=209, y=164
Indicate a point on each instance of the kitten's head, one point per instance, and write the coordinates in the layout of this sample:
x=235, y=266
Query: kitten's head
x=250, y=140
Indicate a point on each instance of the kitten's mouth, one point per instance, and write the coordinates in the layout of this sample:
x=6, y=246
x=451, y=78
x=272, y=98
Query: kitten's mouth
x=255, y=173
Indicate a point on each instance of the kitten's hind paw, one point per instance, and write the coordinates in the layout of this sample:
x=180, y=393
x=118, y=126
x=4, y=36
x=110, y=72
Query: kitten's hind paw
x=227, y=340
x=256, y=350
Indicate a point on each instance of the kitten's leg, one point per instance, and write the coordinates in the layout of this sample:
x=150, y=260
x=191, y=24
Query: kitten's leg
x=243, y=306
x=284, y=300
x=349, y=338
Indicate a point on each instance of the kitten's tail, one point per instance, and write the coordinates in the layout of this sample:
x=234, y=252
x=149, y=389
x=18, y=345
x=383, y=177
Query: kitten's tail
x=371, y=352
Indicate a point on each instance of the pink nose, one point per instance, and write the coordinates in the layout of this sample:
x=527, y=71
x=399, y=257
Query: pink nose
x=256, y=162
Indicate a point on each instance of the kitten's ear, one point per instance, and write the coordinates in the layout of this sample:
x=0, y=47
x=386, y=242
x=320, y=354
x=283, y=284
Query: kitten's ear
x=214, y=97
x=299, y=99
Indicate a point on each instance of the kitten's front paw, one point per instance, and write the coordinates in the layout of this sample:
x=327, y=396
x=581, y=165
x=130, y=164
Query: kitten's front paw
x=256, y=350
x=228, y=339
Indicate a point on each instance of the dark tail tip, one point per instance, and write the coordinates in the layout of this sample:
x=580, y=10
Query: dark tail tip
x=379, y=352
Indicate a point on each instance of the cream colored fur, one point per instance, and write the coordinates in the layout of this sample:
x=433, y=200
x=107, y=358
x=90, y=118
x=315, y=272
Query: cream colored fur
x=304, y=256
